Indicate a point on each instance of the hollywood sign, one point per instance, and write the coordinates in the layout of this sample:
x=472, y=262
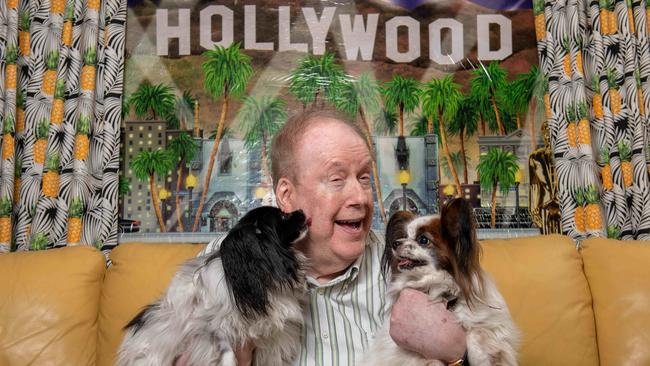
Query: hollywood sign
x=357, y=33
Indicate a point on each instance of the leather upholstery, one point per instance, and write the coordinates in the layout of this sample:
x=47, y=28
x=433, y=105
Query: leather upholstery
x=548, y=296
x=619, y=277
x=139, y=274
x=62, y=307
x=48, y=306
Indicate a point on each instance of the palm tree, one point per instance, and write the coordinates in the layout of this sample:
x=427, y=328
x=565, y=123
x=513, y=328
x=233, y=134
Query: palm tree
x=539, y=90
x=152, y=101
x=456, y=159
x=487, y=86
x=227, y=71
x=183, y=149
x=420, y=127
x=315, y=76
x=126, y=106
x=442, y=97
x=184, y=109
x=464, y=123
x=497, y=167
x=148, y=164
x=520, y=92
x=362, y=96
x=260, y=119
x=403, y=95
x=385, y=122
x=123, y=187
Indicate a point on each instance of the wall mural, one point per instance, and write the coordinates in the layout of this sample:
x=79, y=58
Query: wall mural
x=448, y=92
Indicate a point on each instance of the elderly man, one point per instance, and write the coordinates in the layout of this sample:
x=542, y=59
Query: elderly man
x=322, y=165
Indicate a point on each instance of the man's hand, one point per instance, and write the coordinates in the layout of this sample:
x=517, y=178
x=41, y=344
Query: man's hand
x=421, y=326
x=244, y=355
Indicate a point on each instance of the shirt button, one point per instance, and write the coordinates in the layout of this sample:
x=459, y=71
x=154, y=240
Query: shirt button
x=325, y=335
x=321, y=291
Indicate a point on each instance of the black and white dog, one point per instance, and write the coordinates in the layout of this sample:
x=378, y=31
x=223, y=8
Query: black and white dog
x=250, y=290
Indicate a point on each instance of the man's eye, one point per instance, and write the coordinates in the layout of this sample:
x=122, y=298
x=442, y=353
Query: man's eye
x=423, y=240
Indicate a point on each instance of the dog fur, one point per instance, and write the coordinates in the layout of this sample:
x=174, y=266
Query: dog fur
x=439, y=255
x=251, y=289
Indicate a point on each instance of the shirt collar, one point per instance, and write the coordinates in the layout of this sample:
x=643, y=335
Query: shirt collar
x=351, y=273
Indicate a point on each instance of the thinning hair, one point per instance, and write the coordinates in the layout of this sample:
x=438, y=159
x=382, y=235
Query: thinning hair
x=286, y=140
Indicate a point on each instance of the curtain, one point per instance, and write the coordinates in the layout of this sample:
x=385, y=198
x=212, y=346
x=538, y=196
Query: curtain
x=60, y=102
x=596, y=59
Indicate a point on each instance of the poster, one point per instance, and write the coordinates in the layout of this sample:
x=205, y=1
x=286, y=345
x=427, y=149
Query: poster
x=487, y=49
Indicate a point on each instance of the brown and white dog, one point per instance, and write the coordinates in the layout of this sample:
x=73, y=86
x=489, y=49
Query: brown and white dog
x=439, y=255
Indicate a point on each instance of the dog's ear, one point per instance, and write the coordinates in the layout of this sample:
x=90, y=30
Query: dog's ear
x=246, y=269
x=459, y=230
x=395, y=230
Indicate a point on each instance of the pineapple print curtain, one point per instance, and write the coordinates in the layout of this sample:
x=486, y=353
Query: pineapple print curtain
x=595, y=56
x=60, y=90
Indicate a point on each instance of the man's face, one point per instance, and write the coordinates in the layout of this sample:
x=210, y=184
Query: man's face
x=333, y=170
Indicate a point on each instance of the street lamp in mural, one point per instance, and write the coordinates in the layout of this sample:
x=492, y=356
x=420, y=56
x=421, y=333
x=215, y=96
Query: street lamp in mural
x=190, y=183
x=404, y=179
x=164, y=194
x=402, y=155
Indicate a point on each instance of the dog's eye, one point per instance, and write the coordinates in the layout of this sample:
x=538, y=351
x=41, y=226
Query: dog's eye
x=423, y=240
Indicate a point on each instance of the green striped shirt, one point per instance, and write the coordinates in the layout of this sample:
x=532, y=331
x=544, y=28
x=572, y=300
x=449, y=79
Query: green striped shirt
x=343, y=314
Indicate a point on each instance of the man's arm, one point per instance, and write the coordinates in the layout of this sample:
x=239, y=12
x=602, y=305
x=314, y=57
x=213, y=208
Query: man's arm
x=421, y=326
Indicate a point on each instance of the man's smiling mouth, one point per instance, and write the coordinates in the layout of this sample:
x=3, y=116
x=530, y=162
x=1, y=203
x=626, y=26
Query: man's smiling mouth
x=349, y=224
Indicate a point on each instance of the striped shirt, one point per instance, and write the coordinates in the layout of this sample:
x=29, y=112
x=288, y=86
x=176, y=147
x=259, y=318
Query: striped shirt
x=342, y=315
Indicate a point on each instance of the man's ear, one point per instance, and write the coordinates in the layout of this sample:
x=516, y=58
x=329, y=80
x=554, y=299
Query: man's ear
x=284, y=195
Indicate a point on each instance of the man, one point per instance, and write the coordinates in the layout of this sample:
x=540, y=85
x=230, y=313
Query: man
x=322, y=165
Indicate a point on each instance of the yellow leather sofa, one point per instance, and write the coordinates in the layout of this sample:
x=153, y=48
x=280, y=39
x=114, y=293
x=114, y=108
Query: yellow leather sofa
x=574, y=307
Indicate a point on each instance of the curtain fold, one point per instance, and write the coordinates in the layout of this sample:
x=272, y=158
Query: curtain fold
x=60, y=91
x=596, y=57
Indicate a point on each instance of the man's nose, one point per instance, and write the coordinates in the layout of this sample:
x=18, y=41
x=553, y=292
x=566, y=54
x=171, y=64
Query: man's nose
x=358, y=194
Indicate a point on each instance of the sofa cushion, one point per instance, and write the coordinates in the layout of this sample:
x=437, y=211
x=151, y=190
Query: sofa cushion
x=139, y=274
x=48, y=306
x=619, y=277
x=548, y=296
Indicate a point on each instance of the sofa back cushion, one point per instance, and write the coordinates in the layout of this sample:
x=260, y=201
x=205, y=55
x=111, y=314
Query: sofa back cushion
x=619, y=277
x=139, y=274
x=548, y=296
x=48, y=306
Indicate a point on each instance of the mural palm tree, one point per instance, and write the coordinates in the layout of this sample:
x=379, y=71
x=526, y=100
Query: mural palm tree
x=519, y=94
x=184, y=109
x=152, y=102
x=316, y=76
x=464, y=124
x=385, y=122
x=362, y=96
x=497, y=168
x=260, y=119
x=403, y=95
x=183, y=149
x=442, y=97
x=146, y=166
x=457, y=160
x=126, y=106
x=487, y=86
x=420, y=127
x=226, y=71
